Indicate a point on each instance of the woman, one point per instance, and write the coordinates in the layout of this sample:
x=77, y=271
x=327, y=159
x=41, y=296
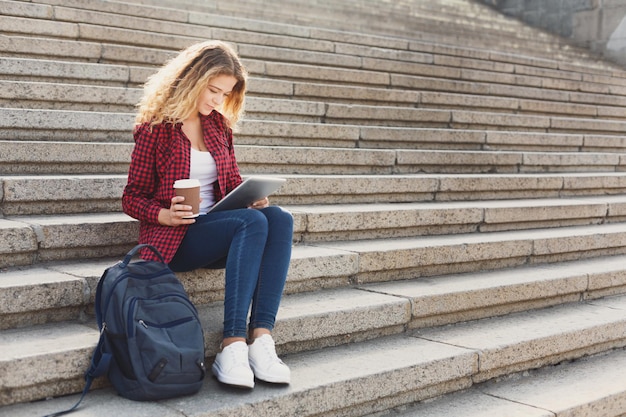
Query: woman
x=184, y=130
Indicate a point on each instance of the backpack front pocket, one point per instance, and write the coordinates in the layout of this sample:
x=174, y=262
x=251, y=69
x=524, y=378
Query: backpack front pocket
x=168, y=339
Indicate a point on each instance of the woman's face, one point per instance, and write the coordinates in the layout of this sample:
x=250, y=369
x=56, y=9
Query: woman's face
x=216, y=92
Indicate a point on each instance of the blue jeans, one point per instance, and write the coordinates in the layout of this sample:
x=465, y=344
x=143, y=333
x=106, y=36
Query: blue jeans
x=255, y=247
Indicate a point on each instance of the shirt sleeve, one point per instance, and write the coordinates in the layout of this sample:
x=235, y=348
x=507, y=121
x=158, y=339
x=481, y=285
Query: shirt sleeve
x=235, y=175
x=138, y=199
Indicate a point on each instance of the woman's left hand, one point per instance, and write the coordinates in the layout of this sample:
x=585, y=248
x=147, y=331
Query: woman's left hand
x=260, y=204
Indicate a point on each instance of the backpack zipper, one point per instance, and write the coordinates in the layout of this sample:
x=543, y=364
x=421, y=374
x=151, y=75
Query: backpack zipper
x=107, y=300
x=130, y=329
x=148, y=324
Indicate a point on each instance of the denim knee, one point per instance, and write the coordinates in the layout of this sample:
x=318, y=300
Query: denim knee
x=278, y=215
x=254, y=218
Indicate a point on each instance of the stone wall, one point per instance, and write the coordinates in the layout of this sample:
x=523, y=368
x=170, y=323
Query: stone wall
x=599, y=25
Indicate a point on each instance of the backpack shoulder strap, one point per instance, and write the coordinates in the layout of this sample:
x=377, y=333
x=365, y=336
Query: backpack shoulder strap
x=100, y=362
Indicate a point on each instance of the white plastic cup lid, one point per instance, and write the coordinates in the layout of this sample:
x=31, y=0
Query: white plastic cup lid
x=187, y=183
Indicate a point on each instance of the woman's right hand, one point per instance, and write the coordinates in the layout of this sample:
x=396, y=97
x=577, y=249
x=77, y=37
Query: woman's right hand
x=174, y=216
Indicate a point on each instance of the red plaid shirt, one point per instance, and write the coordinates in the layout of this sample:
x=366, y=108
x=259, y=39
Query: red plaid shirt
x=162, y=156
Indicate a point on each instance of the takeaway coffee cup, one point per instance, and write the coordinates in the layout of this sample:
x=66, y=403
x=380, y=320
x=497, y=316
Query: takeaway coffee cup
x=190, y=189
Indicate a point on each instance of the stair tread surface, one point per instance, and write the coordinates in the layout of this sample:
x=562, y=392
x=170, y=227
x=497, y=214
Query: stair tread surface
x=449, y=354
x=457, y=180
x=591, y=386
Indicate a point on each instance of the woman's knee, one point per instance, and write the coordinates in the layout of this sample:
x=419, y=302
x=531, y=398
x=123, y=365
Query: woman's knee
x=278, y=215
x=253, y=218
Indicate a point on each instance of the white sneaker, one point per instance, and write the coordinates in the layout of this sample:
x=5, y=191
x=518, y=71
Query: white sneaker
x=231, y=366
x=264, y=362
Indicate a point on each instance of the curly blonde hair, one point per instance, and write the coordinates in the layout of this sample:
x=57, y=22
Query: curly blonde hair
x=171, y=94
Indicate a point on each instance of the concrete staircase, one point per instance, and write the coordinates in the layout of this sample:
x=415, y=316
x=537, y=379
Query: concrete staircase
x=457, y=179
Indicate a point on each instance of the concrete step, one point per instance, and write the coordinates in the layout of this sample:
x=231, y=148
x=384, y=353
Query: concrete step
x=397, y=20
x=447, y=358
x=61, y=96
x=20, y=150
x=377, y=221
x=452, y=80
x=405, y=258
x=54, y=292
x=75, y=73
x=119, y=75
x=67, y=194
x=287, y=160
x=416, y=138
x=40, y=238
x=62, y=125
x=144, y=33
x=65, y=125
x=29, y=240
x=450, y=75
x=547, y=94
x=26, y=157
x=42, y=95
x=195, y=14
x=52, y=157
x=36, y=239
x=589, y=386
x=62, y=289
x=464, y=119
x=57, y=158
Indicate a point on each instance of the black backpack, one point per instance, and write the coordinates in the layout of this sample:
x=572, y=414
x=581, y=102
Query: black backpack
x=151, y=340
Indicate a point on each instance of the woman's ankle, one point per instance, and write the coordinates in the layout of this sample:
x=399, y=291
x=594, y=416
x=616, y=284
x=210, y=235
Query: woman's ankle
x=258, y=332
x=230, y=340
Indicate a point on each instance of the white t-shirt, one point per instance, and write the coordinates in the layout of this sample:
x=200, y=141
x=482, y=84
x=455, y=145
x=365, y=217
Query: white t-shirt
x=203, y=168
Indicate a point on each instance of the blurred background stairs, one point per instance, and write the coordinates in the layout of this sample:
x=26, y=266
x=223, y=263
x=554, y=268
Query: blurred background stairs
x=457, y=180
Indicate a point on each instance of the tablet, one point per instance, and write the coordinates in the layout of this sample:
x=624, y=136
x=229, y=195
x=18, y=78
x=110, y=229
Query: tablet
x=249, y=191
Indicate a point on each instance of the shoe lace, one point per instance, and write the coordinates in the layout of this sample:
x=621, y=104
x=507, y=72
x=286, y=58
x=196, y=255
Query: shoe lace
x=238, y=355
x=269, y=347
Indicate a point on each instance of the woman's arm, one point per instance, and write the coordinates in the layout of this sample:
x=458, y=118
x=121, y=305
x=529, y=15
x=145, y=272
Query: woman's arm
x=138, y=198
